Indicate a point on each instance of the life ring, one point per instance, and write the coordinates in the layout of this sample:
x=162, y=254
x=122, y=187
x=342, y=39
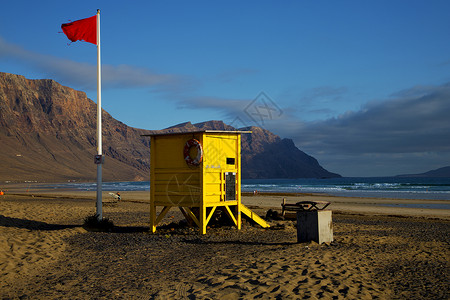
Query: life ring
x=187, y=147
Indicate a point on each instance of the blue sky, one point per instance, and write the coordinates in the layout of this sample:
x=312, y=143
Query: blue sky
x=363, y=86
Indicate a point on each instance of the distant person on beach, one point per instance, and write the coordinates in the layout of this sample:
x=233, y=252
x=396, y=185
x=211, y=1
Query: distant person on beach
x=1, y=193
x=115, y=195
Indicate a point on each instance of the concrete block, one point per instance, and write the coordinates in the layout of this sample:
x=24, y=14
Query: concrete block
x=315, y=226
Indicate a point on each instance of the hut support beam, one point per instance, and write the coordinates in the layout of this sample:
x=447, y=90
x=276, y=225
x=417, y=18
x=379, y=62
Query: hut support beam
x=230, y=214
x=210, y=214
x=192, y=216
x=162, y=214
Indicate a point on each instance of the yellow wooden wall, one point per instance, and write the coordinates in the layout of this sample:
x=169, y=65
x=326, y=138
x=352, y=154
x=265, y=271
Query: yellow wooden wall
x=175, y=183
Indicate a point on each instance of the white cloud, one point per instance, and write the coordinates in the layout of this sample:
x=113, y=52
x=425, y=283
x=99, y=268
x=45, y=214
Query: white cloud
x=84, y=75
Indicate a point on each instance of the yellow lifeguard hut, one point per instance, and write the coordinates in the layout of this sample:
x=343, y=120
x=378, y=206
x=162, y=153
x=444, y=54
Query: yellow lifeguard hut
x=197, y=172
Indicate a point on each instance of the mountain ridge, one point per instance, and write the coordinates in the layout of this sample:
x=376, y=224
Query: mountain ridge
x=264, y=154
x=440, y=172
x=48, y=133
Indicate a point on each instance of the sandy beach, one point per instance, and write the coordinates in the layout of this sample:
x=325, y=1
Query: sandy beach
x=382, y=249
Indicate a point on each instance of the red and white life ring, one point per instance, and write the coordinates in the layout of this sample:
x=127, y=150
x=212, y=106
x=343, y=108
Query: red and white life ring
x=187, y=147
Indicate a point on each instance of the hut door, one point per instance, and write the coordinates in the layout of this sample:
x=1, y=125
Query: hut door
x=230, y=186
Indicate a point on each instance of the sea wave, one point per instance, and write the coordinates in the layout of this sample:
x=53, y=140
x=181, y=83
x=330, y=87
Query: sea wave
x=389, y=187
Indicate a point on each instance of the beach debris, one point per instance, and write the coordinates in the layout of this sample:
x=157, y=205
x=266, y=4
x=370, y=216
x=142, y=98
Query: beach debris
x=302, y=206
x=273, y=215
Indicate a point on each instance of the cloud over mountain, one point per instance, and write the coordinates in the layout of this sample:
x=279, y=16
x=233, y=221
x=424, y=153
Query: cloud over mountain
x=412, y=124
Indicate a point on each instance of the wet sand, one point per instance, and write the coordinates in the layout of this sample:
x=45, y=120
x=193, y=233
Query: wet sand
x=386, y=252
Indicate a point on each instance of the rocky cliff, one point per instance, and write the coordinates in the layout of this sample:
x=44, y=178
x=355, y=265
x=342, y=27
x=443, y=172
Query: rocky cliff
x=48, y=133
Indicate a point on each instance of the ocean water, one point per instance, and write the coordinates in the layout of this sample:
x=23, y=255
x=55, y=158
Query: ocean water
x=380, y=187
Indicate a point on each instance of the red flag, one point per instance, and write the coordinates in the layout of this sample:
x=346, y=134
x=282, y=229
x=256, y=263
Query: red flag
x=82, y=30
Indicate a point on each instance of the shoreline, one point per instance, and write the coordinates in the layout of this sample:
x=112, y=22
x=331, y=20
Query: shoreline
x=417, y=189
x=44, y=188
x=265, y=200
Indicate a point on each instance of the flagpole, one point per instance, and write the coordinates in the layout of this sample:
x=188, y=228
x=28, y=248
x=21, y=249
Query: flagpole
x=99, y=124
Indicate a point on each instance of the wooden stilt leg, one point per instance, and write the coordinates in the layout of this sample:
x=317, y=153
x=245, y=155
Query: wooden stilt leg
x=238, y=213
x=203, y=219
x=152, y=218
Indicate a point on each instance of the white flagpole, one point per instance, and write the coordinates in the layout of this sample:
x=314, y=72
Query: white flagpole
x=99, y=124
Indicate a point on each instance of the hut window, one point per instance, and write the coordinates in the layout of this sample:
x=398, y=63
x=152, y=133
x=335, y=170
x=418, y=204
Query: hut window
x=230, y=161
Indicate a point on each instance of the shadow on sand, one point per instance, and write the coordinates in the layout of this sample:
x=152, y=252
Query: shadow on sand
x=31, y=224
x=38, y=225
